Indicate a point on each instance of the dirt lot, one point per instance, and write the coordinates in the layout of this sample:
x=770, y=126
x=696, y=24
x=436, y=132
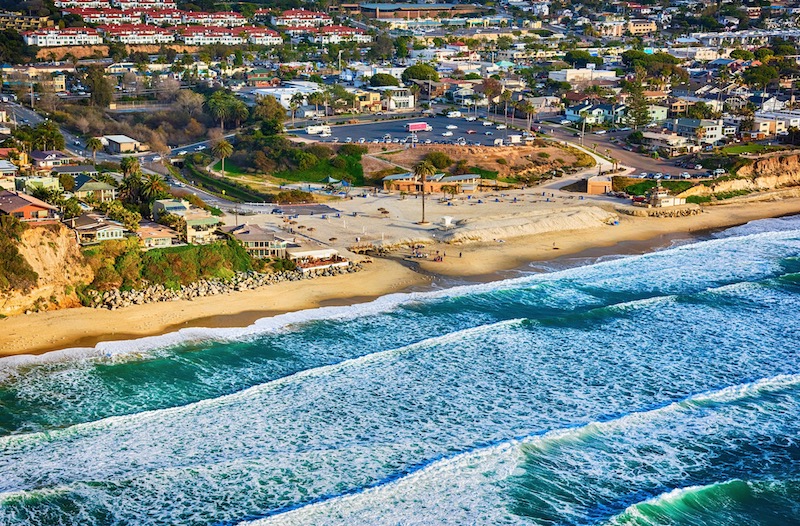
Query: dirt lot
x=529, y=161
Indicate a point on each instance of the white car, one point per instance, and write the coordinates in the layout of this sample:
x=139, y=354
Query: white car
x=326, y=134
x=362, y=140
x=685, y=175
x=200, y=148
x=156, y=159
x=451, y=127
x=427, y=141
x=472, y=118
x=487, y=123
x=564, y=122
x=600, y=132
x=447, y=134
x=501, y=127
x=348, y=139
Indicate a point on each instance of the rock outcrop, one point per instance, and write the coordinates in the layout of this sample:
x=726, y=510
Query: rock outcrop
x=769, y=172
x=54, y=254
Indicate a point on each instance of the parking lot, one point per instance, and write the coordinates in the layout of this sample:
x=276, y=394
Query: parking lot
x=471, y=132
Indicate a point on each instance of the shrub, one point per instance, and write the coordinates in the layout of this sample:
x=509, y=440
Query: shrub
x=440, y=160
x=339, y=162
x=502, y=161
x=543, y=155
x=698, y=199
x=294, y=196
x=319, y=150
x=352, y=150
x=15, y=271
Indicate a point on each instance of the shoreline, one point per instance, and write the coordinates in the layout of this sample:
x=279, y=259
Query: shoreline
x=480, y=262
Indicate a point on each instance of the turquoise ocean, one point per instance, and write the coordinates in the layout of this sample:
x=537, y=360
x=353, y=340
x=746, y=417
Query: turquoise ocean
x=657, y=389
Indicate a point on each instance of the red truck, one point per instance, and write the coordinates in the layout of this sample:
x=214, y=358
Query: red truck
x=418, y=127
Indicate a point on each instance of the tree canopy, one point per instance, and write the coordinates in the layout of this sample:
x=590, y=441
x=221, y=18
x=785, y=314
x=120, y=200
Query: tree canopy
x=420, y=72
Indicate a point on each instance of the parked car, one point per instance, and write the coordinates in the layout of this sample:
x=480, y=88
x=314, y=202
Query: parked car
x=348, y=139
x=685, y=175
x=698, y=167
x=362, y=140
x=470, y=132
x=600, y=132
x=200, y=148
x=451, y=127
x=487, y=123
x=447, y=134
x=472, y=118
x=501, y=127
x=564, y=122
x=488, y=133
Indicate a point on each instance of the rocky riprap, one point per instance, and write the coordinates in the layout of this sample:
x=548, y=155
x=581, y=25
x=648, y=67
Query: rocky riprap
x=114, y=299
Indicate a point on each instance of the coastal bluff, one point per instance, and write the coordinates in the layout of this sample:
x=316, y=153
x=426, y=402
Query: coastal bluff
x=766, y=172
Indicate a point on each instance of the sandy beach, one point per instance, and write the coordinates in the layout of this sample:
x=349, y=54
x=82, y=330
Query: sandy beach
x=83, y=327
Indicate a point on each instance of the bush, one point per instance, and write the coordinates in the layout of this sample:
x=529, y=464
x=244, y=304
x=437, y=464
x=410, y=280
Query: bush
x=698, y=199
x=352, y=150
x=15, y=271
x=339, y=162
x=439, y=160
x=543, y=155
x=319, y=150
x=294, y=196
x=502, y=161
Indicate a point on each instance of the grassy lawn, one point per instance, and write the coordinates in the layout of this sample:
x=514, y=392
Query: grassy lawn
x=483, y=172
x=323, y=169
x=230, y=168
x=674, y=187
x=750, y=148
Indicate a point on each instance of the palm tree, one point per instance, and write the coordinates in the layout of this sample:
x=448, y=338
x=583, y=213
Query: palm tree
x=94, y=144
x=153, y=186
x=415, y=91
x=316, y=99
x=222, y=149
x=219, y=108
x=505, y=96
x=699, y=133
x=129, y=166
x=423, y=170
x=239, y=112
x=294, y=104
x=387, y=96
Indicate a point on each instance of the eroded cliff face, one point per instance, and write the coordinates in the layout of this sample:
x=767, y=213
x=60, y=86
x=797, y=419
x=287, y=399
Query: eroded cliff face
x=769, y=173
x=53, y=253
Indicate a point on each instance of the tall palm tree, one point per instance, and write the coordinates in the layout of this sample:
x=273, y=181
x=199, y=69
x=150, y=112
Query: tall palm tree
x=505, y=96
x=222, y=149
x=294, y=104
x=219, y=108
x=94, y=144
x=423, y=170
x=239, y=112
x=387, y=96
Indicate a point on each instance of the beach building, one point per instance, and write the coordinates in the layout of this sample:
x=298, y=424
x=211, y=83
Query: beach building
x=260, y=242
x=410, y=183
x=659, y=197
x=598, y=185
x=308, y=259
x=25, y=207
x=200, y=224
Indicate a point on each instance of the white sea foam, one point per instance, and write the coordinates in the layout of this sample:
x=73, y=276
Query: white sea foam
x=707, y=260
x=472, y=488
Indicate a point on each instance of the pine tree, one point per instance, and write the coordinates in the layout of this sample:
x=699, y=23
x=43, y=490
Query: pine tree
x=638, y=111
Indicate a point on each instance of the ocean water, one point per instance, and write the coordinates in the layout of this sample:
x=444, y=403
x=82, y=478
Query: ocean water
x=661, y=389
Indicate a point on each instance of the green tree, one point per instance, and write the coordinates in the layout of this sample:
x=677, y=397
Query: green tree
x=67, y=182
x=638, y=111
x=129, y=165
x=760, y=75
x=420, y=72
x=153, y=187
x=383, y=79
x=423, y=170
x=222, y=149
x=102, y=92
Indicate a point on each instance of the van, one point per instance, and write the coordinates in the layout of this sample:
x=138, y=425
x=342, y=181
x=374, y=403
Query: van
x=718, y=172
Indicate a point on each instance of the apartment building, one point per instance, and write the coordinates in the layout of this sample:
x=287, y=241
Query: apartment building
x=137, y=34
x=638, y=27
x=221, y=19
x=163, y=17
x=127, y=5
x=20, y=22
x=262, y=36
x=104, y=16
x=85, y=4
x=203, y=36
x=301, y=18
x=338, y=34
x=68, y=36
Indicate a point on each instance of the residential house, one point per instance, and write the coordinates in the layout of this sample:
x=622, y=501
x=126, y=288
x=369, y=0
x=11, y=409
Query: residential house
x=367, y=101
x=122, y=144
x=26, y=207
x=337, y=34
x=200, y=224
x=88, y=188
x=19, y=22
x=396, y=98
x=260, y=242
x=657, y=113
x=86, y=4
x=8, y=169
x=32, y=183
x=153, y=235
x=49, y=159
x=597, y=113
x=133, y=34
x=711, y=132
x=75, y=170
x=104, y=16
x=669, y=144
x=95, y=228
x=581, y=75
